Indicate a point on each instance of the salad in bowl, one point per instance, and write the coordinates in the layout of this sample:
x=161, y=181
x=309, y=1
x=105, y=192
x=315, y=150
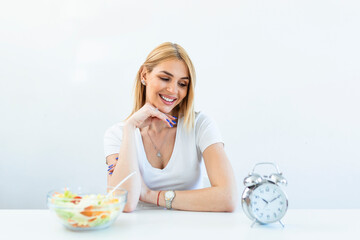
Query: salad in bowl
x=84, y=211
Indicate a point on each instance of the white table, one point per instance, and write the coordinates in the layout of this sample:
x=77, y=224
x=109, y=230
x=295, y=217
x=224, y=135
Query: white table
x=159, y=224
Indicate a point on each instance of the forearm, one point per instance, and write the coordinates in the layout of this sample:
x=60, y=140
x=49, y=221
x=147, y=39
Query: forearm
x=126, y=164
x=212, y=199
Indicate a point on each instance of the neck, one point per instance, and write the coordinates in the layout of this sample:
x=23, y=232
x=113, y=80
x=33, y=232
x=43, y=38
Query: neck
x=157, y=126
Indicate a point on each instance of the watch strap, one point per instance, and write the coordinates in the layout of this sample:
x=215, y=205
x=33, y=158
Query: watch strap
x=168, y=202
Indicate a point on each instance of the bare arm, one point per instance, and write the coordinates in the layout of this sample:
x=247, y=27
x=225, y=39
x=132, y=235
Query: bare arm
x=127, y=158
x=222, y=196
x=126, y=164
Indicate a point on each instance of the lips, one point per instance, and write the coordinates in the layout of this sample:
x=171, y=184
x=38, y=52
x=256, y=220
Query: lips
x=168, y=100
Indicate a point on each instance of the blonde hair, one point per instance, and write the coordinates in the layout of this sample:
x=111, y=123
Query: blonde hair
x=167, y=51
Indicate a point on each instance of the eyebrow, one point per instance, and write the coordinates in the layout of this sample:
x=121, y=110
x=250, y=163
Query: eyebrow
x=167, y=73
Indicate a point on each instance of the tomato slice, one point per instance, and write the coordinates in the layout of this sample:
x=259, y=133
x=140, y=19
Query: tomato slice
x=76, y=200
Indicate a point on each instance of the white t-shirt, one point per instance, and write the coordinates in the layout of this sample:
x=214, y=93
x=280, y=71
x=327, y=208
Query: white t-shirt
x=183, y=171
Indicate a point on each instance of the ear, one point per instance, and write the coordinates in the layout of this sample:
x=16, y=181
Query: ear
x=144, y=73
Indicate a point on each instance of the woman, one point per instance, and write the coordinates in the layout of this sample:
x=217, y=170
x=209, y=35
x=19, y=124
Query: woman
x=164, y=141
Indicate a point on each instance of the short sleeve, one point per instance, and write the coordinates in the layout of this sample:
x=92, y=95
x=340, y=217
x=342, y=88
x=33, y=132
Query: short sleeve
x=112, y=139
x=206, y=132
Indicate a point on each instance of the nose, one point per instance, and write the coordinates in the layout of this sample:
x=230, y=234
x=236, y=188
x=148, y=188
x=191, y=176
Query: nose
x=172, y=87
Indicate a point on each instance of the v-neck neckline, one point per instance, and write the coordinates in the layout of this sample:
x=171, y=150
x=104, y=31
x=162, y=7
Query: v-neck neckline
x=168, y=165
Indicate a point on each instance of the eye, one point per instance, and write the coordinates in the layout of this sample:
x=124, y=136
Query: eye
x=165, y=79
x=182, y=84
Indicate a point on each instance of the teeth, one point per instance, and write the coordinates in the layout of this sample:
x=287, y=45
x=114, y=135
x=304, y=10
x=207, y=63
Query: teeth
x=167, y=99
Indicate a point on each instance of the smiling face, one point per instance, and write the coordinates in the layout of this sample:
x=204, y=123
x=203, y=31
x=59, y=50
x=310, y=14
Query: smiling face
x=167, y=84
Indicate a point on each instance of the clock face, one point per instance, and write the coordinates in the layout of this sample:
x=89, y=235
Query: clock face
x=268, y=203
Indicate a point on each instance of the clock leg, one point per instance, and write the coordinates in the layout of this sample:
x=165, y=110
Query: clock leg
x=253, y=223
x=281, y=224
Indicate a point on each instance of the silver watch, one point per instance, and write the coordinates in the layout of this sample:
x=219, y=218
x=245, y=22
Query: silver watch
x=169, y=197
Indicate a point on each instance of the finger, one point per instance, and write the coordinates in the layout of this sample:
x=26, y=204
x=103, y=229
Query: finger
x=167, y=118
x=110, y=171
x=162, y=116
x=111, y=168
x=170, y=116
x=111, y=165
x=170, y=121
x=173, y=120
x=112, y=161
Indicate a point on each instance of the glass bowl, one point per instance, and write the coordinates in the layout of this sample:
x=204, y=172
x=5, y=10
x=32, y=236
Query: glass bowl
x=79, y=210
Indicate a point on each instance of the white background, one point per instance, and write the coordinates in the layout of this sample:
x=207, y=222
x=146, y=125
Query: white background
x=281, y=78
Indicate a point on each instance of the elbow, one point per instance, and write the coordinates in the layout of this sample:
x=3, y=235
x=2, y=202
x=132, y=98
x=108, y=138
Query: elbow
x=129, y=207
x=230, y=201
x=131, y=204
x=230, y=207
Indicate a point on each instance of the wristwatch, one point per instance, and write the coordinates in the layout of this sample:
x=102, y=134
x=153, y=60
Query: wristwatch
x=169, y=197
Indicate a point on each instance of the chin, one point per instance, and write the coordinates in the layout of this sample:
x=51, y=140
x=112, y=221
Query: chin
x=165, y=109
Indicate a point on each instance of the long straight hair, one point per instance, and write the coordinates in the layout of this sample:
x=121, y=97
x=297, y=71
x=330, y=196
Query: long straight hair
x=167, y=51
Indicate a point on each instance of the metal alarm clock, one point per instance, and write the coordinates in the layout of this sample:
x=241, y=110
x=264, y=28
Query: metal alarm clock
x=263, y=200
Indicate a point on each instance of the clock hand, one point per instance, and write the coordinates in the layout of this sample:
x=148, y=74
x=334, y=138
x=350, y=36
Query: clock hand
x=275, y=198
x=265, y=201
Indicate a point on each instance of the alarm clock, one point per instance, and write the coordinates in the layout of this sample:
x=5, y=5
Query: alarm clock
x=263, y=199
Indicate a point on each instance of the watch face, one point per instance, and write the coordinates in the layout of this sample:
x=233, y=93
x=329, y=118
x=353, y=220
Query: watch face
x=169, y=195
x=268, y=203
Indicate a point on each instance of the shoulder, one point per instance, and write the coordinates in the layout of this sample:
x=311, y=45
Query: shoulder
x=112, y=139
x=115, y=129
x=202, y=118
x=206, y=131
x=204, y=123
